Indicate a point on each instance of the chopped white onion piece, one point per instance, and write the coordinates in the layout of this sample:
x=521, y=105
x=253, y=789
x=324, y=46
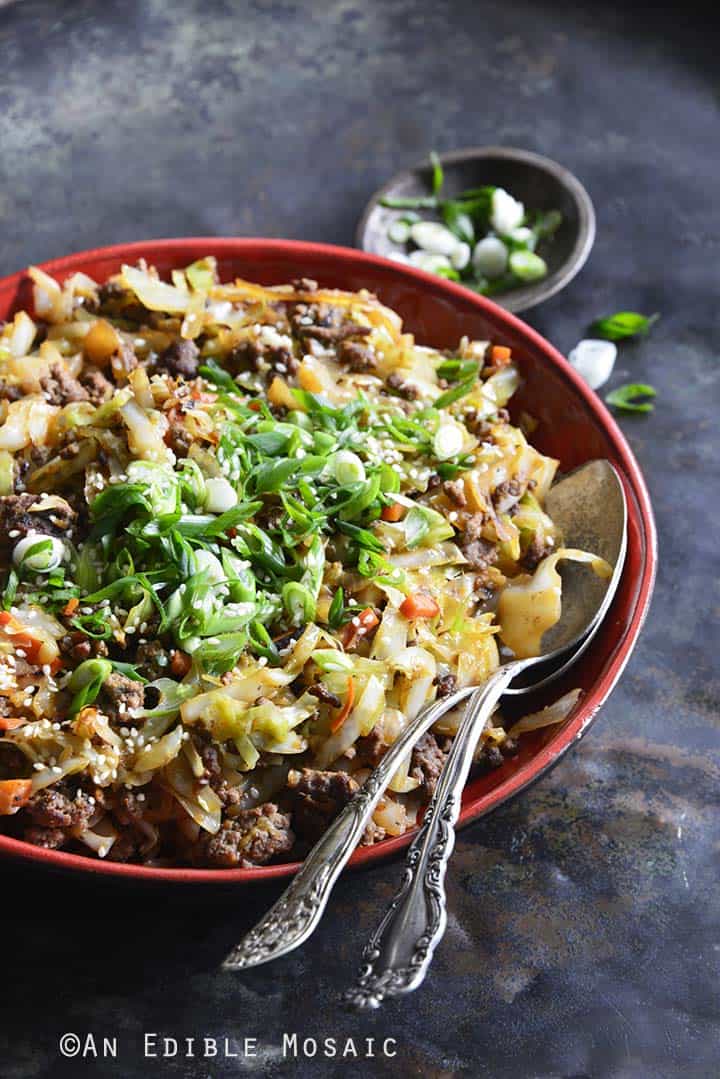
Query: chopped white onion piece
x=348, y=467
x=433, y=237
x=42, y=561
x=506, y=213
x=594, y=360
x=206, y=562
x=460, y=256
x=490, y=257
x=448, y=441
x=524, y=236
x=399, y=232
x=398, y=256
x=429, y=263
x=219, y=495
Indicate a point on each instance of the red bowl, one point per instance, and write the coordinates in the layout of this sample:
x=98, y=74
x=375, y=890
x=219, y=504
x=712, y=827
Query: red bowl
x=574, y=426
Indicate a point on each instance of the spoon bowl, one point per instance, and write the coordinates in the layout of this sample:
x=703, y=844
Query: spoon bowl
x=589, y=507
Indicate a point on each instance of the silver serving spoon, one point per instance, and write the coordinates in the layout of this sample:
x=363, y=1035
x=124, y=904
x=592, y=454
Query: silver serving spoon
x=589, y=507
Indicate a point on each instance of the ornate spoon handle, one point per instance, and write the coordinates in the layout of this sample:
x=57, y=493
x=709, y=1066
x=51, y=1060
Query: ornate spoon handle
x=398, y=955
x=299, y=909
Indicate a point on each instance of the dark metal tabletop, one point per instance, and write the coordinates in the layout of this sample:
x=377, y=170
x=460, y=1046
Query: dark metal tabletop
x=583, y=935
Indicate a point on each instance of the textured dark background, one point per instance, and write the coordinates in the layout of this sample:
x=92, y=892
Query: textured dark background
x=583, y=936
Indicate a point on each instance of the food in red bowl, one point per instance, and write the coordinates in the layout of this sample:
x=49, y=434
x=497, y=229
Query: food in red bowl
x=198, y=469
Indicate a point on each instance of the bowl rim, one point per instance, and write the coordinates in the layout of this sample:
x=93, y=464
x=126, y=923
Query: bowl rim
x=519, y=299
x=567, y=735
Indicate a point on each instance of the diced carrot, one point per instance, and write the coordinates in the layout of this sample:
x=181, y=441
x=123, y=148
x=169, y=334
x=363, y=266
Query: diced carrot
x=9, y=723
x=342, y=715
x=180, y=663
x=14, y=793
x=500, y=355
x=308, y=378
x=419, y=605
x=393, y=513
x=71, y=606
x=279, y=393
x=202, y=396
x=255, y=406
x=39, y=647
x=360, y=626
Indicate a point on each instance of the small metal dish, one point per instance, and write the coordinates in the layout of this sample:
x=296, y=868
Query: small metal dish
x=540, y=183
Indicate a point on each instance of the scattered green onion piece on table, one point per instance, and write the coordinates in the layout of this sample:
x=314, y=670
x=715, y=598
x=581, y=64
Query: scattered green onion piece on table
x=625, y=397
x=623, y=324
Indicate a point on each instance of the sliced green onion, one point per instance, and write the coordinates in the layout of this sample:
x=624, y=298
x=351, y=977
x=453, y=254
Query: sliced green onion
x=527, y=266
x=624, y=397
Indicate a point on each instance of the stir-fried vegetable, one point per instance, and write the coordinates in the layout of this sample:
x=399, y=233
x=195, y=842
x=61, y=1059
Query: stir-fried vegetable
x=249, y=533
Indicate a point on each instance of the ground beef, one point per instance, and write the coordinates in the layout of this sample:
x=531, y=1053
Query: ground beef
x=125, y=847
x=371, y=748
x=53, y=807
x=127, y=809
x=506, y=495
x=491, y=756
x=372, y=834
x=474, y=527
x=356, y=356
x=323, y=694
x=123, y=362
x=479, y=552
x=446, y=685
x=180, y=358
x=119, y=695
x=177, y=437
x=77, y=646
x=536, y=551
x=428, y=758
x=402, y=388
x=318, y=798
x=253, y=837
x=152, y=660
x=324, y=323
x=97, y=387
x=250, y=354
x=455, y=490
x=49, y=838
x=213, y=776
x=304, y=284
x=18, y=515
x=333, y=335
x=60, y=388
x=477, y=424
